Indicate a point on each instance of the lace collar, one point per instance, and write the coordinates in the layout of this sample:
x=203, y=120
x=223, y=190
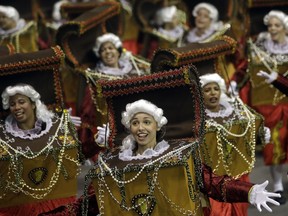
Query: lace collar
x=12, y=128
x=175, y=33
x=125, y=67
x=276, y=48
x=193, y=37
x=6, y=33
x=226, y=110
x=127, y=154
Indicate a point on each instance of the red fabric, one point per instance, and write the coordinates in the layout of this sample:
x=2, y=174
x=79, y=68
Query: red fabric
x=276, y=118
x=244, y=93
x=268, y=153
x=131, y=46
x=281, y=83
x=75, y=208
x=87, y=132
x=229, y=209
x=34, y=209
x=206, y=211
x=224, y=188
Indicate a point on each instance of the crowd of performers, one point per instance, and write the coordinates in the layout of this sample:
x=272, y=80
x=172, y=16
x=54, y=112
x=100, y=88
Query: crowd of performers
x=247, y=110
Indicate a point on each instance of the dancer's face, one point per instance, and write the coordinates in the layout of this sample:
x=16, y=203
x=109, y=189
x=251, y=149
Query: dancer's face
x=211, y=94
x=143, y=127
x=276, y=30
x=203, y=20
x=109, y=54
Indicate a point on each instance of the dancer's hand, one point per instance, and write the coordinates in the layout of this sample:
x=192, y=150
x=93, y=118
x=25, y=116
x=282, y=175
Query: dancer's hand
x=269, y=77
x=233, y=90
x=101, y=137
x=76, y=120
x=267, y=135
x=259, y=197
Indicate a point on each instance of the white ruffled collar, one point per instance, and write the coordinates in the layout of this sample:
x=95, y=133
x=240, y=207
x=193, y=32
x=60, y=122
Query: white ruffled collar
x=276, y=48
x=127, y=154
x=125, y=67
x=175, y=33
x=226, y=110
x=12, y=128
x=193, y=37
x=20, y=24
x=264, y=40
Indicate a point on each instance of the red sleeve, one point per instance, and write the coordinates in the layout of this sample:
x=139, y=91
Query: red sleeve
x=241, y=76
x=88, y=128
x=224, y=188
x=281, y=83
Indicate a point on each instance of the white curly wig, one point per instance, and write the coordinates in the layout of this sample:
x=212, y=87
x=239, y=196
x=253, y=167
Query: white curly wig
x=10, y=12
x=165, y=14
x=213, y=12
x=114, y=39
x=145, y=107
x=24, y=89
x=214, y=77
x=279, y=15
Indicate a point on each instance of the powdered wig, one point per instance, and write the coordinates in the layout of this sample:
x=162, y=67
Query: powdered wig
x=213, y=12
x=279, y=15
x=10, y=12
x=108, y=37
x=42, y=112
x=165, y=14
x=216, y=78
x=143, y=106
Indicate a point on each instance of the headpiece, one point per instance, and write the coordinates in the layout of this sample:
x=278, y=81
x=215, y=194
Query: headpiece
x=114, y=39
x=10, y=12
x=145, y=107
x=213, y=12
x=24, y=89
x=165, y=14
x=214, y=77
x=278, y=14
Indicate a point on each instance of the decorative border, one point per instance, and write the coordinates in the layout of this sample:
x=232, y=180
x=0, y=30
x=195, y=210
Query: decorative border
x=192, y=53
x=50, y=63
x=266, y=3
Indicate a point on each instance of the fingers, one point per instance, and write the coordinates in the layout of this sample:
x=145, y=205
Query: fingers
x=70, y=110
x=76, y=120
x=259, y=207
x=101, y=129
x=263, y=74
x=264, y=185
x=267, y=207
x=274, y=202
x=270, y=194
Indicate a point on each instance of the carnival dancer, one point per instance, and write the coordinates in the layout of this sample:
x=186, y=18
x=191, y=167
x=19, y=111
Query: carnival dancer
x=170, y=24
x=39, y=155
x=15, y=30
x=114, y=63
x=269, y=54
x=145, y=122
x=206, y=23
x=232, y=130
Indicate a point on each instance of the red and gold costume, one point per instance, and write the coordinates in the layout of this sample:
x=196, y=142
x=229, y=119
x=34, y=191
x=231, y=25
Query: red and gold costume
x=267, y=100
x=24, y=40
x=229, y=148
